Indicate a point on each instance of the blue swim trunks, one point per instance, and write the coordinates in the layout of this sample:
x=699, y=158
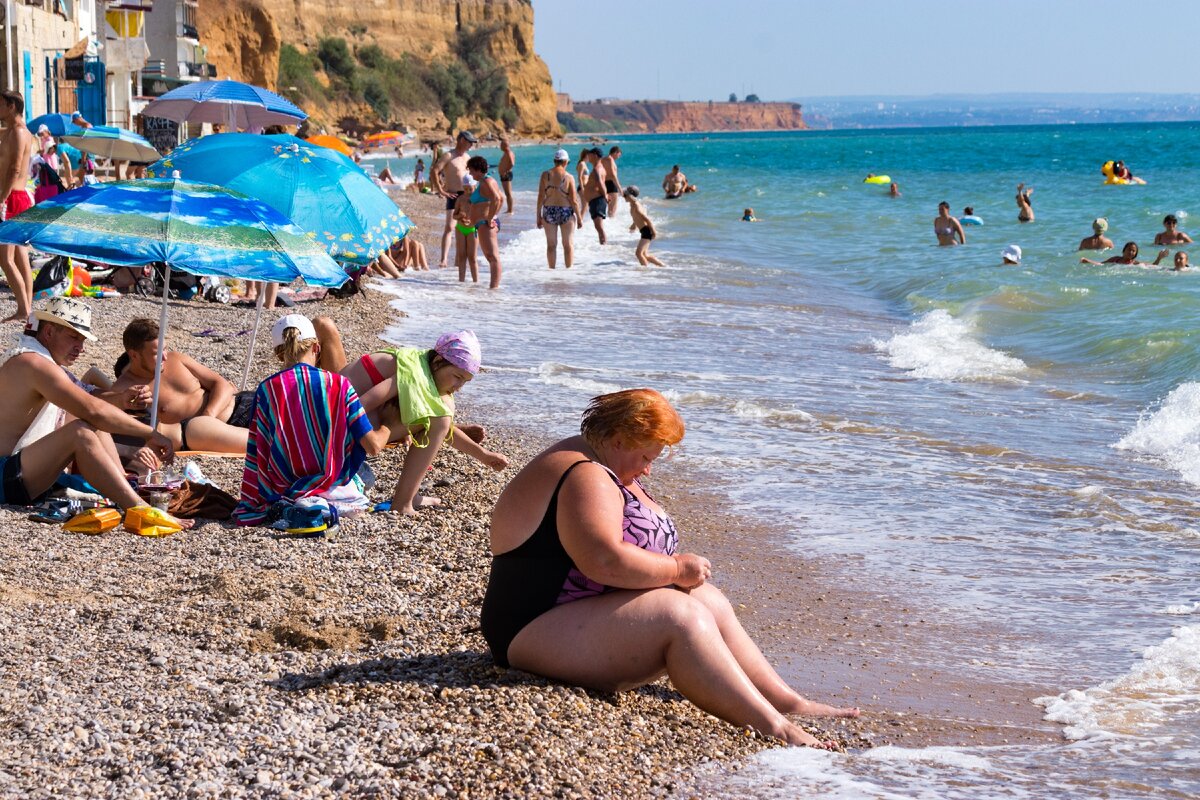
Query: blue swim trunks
x=12, y=486
x=598, y=207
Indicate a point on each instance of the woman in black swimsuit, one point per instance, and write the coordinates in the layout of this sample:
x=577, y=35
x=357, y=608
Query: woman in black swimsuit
x=587, y=586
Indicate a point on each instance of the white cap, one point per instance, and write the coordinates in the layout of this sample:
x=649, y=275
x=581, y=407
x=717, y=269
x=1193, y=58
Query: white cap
x=1012, y=253
x=469, y=181
x=298, y=321
x=561, y=155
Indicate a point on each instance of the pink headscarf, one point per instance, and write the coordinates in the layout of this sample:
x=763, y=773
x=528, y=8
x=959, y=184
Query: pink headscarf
x=460, y=348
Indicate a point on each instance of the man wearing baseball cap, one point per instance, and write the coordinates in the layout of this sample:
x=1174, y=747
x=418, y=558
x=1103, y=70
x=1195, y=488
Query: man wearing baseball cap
x=36, y=442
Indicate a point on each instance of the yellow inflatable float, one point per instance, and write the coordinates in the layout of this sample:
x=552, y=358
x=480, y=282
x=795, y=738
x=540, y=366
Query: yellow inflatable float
x=872, y=178
x=1109, y=177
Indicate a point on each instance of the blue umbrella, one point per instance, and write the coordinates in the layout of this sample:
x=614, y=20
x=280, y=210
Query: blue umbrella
x=315, y=187
x=229, y=103
x=109, y=142
x=194, y=227
x=57, y=124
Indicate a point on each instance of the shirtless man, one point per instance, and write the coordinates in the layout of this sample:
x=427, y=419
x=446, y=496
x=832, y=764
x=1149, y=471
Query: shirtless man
x=594, y=192
x=1097, y=241
x=446, y=179
x=16, y=148
x=674, y=183
x=612, y=184
x=507, y=161
x=37, y=447
x=1024, y=203
x=209, y=411
x=1169, y=234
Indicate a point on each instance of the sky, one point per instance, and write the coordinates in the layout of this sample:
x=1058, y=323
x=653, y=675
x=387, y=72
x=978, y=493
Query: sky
x=784, y=49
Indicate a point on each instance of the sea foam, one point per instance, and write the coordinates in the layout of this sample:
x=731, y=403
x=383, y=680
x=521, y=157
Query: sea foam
x=940, y=347
x=1167, y=679
x=1171, y=432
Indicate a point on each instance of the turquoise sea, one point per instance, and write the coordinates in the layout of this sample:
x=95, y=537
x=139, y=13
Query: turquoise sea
x=1014, y=448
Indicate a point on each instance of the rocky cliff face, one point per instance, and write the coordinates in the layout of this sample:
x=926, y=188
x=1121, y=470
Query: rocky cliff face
x=668, y=117
x=426, y=28
x=242, y=40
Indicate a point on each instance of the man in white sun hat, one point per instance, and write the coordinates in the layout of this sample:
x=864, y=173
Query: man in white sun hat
x=36, y=443
x=1011, y=255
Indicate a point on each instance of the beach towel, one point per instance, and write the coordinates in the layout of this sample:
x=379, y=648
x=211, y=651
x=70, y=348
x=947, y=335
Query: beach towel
x=51, y=416
x=303, y=440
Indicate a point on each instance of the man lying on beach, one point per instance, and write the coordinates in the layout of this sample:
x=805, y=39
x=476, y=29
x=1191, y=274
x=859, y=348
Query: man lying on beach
x=675, y=183
x=210, y=412
x=594, y=190
x=446, y=178
x=39, y=439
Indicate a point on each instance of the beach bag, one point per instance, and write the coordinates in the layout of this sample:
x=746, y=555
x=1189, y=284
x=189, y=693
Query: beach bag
x=150, y=521
x=93, y=521
x=202, y=501
x=53, y=279
x=48, y=178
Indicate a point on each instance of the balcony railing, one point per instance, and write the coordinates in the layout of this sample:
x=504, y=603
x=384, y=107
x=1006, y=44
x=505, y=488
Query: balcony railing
x=201, y=70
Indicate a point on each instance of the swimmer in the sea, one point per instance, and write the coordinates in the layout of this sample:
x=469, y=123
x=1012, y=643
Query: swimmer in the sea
x=748, y=215
x=1097, y=241
x=949, y=230
x=1024, y=203
x=1129, y=254
x=1181, y=260
x=1123, y=172
x=1011, y=256
x=894, y=189
x=1169, y=234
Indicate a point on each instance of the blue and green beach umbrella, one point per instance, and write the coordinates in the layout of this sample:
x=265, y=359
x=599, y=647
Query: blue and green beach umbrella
x=317, y=188
x=111, y=142
x=194, y=227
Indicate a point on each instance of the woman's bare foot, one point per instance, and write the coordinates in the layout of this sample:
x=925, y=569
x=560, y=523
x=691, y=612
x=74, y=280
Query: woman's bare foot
x=808, y=708
x=796, y=736
x=419, y=502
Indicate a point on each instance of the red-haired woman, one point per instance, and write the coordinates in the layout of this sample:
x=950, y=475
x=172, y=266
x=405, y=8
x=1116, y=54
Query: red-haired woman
x=587, y=587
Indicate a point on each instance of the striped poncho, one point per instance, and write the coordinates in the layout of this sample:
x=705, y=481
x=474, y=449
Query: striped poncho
x=303, y=440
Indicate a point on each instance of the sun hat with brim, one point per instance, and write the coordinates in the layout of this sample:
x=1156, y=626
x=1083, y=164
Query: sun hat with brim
x=68, y=311
x=298, y=321
x=1012, y=253
x=1099, y=225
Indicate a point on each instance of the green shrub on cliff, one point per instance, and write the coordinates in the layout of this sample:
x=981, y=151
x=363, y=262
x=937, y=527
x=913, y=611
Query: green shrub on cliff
x=470, y=82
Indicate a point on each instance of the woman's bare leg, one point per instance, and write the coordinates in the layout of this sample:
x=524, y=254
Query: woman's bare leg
x=625, y=639
x=551, y=244
x=755, y=664
x=417, y=462
x=568, y=240
x=491, y=251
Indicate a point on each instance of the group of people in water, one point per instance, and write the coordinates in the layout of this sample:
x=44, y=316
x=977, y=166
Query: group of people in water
x=588, y=585
x=950, y=231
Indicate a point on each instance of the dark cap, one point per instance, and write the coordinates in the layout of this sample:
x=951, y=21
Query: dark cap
x=470, y=137
x=596, y=151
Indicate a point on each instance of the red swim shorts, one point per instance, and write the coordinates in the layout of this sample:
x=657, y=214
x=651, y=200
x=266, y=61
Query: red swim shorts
x=17, y=202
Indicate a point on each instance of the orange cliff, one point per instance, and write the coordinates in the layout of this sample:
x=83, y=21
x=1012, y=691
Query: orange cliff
x=244, y=38
x=662, y=116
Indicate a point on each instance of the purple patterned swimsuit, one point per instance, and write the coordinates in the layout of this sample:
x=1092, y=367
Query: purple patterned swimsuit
x=640, y=526
x=538, y=575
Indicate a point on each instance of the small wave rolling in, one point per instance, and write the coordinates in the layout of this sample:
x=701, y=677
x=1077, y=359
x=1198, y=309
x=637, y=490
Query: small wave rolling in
x=1009, y=446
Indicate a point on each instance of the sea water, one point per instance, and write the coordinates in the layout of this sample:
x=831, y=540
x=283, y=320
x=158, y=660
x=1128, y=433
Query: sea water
x=1010, y=447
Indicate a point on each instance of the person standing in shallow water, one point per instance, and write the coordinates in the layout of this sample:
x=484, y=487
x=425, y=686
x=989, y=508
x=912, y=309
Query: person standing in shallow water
x=486, y=202
x=949, y=230
x=1097, y=241
x=593, y=193
x=508, y=160
x=557, y=211
x=1169, y=234
x=612, y=183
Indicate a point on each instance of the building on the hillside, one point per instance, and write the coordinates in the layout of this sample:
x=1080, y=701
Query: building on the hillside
x=50, y=55
x=176, y=55
x=563, y=103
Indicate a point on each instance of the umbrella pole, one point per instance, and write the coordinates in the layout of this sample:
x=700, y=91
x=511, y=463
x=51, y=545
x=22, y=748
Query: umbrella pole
x=158, y=361
x=253, y=336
